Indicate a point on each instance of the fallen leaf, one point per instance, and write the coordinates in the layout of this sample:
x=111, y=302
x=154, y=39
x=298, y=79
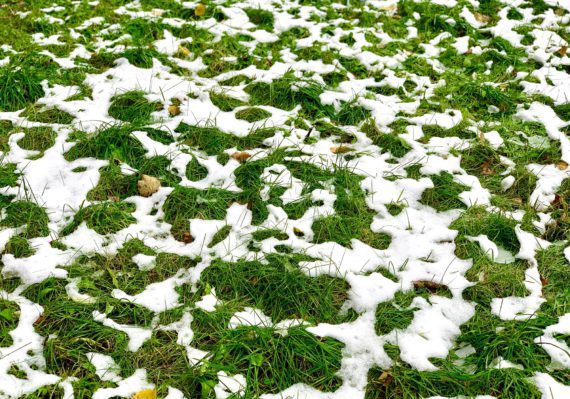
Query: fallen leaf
x=148, y=185
x=341, y=149
x=145, y=394
x=543, y=281
x=484, y=19
x=241, y=156
x=563, y=50
x=562, y=165
x=485, y=168
x=386, y=378
x=557, y=200
x=183, y=50
x=113, y=198
x=200, y=10
x=173, y=110
x=298, y=232
x=187, y=237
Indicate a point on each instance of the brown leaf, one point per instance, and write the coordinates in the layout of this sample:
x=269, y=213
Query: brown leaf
x=562, y=165
x=557, y=200
x=148, y=185
x=200, y=10
x=543, y=281
x=173, y=110
x=386, y=378
x=486, y=168
x=241, y=156
x=187, y=237
x=341, y=149
x=563, y=50
x=113, y=198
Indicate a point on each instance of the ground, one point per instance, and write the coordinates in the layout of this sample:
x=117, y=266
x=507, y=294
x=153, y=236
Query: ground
x=312, y=199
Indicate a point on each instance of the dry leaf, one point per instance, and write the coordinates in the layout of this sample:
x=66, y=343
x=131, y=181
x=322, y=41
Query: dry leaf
x=145, y=394
x=241, y=156
x=183, y=50
x=486, y=169
x=386, y=378
x=298, y=232
x=563, y=50
x=341, y=149
x=562, y=165
x=187, y=237
x=543, y=281
x=200, y=10
x=148, y=185
x=113, y=198
x=173, y=110
x=484, y=19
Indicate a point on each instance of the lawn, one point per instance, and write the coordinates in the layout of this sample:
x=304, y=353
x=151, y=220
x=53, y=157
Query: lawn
x=284, y=199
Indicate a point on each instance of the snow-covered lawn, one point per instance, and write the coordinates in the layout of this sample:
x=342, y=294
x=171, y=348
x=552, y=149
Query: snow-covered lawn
x=310, y=199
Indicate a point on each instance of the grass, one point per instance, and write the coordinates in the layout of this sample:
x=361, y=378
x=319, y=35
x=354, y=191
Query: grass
x=343, y=71
x=279, y=289
x=133, y=107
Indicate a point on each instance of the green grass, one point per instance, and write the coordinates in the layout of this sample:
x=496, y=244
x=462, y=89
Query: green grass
x=474, y=84
x=133, y=107
x=279, y=288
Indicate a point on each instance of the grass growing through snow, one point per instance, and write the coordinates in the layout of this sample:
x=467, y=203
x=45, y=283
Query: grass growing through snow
x=402, y=77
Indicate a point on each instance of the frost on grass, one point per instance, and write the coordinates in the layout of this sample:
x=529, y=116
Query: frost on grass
x=276, y=199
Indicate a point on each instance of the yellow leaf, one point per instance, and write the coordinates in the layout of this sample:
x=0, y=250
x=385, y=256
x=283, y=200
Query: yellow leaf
x=183, y=50
x=341, y=149
x=173, y=110
x=148, y=185
x=145, y=394
x=200, y=10
x=562, y=165
x=485, y=19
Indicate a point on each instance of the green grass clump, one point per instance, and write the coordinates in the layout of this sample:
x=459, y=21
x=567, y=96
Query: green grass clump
x=8, y=321
x=224, y=102
x=104, y=218
x=8, y=175
x=133, y=107
x=287, y=92
x=270, y=362
x=279, y=289
x=38, y=139
x=47, y=115
x=195, y=171
x=252, y=114
x=28, y=214
x=444, y=195
x=112, y=142
x=190, y=203
x=19, y=247
x=213, y=141
x=114, y=184
x=18, y=88
x=262, y=18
